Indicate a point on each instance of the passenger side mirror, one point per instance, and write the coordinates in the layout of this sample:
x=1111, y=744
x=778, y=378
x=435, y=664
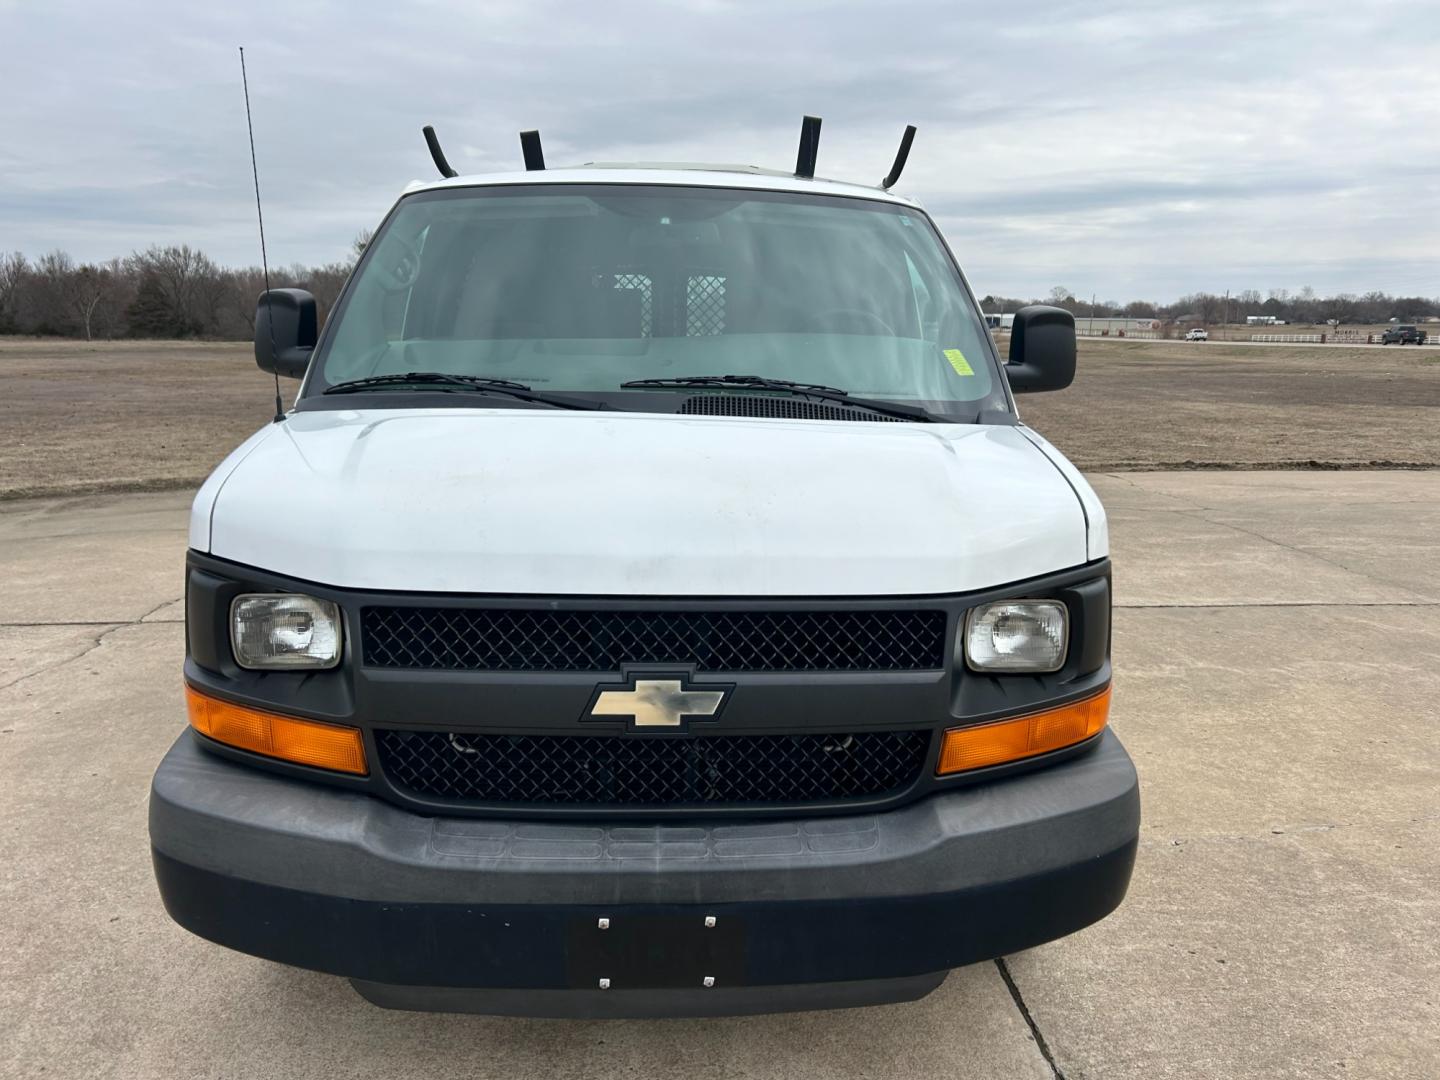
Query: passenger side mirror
x=286, y=329
x=1042, y=349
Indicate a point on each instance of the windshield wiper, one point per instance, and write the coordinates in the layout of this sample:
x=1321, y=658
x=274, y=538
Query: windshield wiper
x=814, y=390
x=472, y=383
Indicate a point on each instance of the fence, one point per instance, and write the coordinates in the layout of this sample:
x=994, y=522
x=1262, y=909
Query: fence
x=1289, y=338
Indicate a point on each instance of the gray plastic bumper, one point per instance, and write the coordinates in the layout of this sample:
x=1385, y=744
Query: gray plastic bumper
x=342, y=882
x=244, y=823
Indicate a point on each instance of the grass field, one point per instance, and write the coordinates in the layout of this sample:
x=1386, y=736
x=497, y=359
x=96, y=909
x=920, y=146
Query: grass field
x=80, y=417
x=1168, y=404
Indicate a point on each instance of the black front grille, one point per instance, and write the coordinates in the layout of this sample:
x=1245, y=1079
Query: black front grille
x=641, y=771
x=785, y=408
x=509, y=639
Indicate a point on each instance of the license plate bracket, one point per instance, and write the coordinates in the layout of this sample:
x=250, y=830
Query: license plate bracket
x=655, y=952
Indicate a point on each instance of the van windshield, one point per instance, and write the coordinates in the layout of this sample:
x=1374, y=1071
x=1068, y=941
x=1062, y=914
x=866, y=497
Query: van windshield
x=582, y=288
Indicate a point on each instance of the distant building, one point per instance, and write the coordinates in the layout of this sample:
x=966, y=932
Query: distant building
x=1099, y=326
x=1104, y=326
x=1263, y=320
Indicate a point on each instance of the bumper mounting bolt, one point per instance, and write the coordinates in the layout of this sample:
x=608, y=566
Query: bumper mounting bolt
x=604, y=984
x=709, y=922
x=603, y=923
x=708, y=981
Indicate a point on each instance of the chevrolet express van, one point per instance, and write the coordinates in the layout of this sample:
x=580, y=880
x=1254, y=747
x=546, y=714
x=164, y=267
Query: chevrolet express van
x=652, y=604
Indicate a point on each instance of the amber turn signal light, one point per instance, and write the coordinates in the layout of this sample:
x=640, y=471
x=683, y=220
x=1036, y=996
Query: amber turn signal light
x=1023, y=736
x=305, y=742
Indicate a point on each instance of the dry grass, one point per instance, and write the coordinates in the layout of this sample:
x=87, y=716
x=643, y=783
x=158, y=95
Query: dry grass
x=78, y=417
x=1173, y=405
x=126, y=416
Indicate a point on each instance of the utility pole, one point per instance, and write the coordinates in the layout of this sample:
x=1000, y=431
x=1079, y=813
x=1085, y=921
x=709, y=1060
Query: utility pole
x=1092, y=315
x=1225, y=326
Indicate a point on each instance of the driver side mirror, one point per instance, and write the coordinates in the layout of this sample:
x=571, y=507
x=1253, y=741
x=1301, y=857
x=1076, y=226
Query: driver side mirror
x=286, y=329
x=1042, y=349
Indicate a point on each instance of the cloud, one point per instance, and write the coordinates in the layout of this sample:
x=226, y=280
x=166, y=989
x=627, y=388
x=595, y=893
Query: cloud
x=1138, y=150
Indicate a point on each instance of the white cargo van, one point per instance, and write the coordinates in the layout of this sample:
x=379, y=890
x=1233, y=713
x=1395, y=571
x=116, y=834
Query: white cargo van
x=652, y=604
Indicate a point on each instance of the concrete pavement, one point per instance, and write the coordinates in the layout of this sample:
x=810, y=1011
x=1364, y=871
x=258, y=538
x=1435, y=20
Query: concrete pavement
x=1276, y=648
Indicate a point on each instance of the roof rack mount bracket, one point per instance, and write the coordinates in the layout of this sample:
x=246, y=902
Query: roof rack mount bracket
x=530, y=147
x=901, y=156
x=436, y=154
x=805, y=160
x=809, y=148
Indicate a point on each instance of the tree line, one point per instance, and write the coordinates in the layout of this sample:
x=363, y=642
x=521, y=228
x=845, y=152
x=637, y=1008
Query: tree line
x=179, y=292
x=1304, y=307
x=163, y=292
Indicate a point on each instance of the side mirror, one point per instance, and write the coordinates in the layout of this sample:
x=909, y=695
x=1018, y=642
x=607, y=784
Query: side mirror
x=286, y=329
x=1042, y=349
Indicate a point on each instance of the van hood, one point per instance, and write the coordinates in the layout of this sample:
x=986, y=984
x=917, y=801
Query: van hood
x=528, y=501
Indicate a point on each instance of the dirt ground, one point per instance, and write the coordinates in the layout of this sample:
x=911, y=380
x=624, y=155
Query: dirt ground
x=81, y=417
x=123, y=416
x=1169, y=404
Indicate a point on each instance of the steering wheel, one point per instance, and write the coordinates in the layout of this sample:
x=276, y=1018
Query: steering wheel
x=853, y=315
x=398, y=264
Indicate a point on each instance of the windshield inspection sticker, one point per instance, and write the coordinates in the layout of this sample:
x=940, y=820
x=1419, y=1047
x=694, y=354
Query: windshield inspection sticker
x=958, y=362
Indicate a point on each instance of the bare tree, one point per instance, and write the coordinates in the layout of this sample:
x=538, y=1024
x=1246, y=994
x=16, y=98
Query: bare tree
x=13, y=268
x=67, y=299
x=93, y=285
x=182, y=285
x=49, y=300
x=82, y=289
x=325, y=282
x=242, y=291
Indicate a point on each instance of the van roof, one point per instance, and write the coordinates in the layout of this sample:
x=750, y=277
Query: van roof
x=748, y=177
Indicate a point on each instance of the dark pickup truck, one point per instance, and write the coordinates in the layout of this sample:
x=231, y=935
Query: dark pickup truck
x=1403, y=335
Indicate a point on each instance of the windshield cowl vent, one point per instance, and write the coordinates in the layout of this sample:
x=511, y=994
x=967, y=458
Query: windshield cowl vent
x=782, y=408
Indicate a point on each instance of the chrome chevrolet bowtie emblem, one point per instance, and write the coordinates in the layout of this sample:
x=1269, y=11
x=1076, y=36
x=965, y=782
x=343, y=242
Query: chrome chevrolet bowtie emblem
x=657, y=703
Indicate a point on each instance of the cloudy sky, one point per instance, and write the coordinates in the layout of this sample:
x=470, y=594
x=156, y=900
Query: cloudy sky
x=1129, y=149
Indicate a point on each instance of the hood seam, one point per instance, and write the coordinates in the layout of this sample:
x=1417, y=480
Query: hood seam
x=215, y=502
x=1084, y=513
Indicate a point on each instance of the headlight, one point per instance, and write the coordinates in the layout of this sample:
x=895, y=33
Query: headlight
x=1017, y=635
x=284, y=630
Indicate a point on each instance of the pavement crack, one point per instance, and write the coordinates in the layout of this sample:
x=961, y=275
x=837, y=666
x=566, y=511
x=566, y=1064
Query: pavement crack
x=1282, y=604
x=85, y=622
x=1035, y=1032
x=1189, y=506
x=40, y=623
x=1199, y=515
x=159, y=607
x=95, y=643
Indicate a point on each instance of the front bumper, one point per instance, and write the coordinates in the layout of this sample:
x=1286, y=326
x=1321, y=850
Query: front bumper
x=503, y=916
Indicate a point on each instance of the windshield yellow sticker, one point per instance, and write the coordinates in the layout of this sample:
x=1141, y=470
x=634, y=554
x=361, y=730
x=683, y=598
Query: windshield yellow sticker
x=958, y=362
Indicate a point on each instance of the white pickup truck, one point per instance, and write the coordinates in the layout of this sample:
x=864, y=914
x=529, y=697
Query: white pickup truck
x=652, y=604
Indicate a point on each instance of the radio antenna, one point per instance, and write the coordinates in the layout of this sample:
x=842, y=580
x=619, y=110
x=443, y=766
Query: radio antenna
x=260, y=216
